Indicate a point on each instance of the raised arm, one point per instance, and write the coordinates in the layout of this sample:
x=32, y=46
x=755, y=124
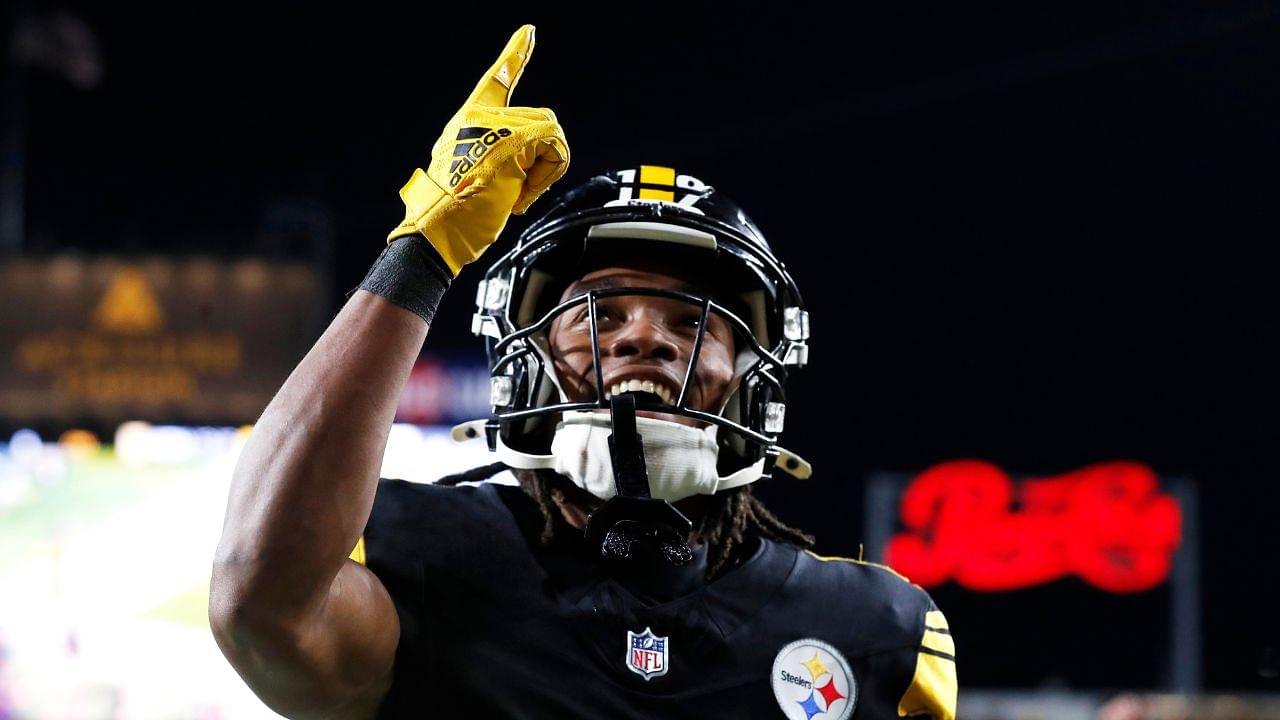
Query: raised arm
x=313, y=633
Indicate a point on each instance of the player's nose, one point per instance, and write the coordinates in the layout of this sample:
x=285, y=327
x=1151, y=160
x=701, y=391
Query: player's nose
x=642, y=338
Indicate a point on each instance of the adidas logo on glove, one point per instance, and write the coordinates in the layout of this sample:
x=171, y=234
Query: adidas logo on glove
x=472, y=151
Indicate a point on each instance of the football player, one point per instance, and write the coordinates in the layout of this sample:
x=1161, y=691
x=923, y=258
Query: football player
x=639, y=337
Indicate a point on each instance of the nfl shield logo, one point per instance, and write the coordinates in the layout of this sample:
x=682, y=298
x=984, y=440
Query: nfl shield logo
x=646, y=654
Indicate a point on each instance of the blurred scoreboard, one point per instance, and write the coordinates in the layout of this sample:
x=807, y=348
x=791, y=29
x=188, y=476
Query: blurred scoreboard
x=104, y=340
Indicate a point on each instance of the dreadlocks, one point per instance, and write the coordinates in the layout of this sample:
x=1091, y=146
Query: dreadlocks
x=731, y=518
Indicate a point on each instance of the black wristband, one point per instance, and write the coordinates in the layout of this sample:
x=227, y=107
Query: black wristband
x=411, y=274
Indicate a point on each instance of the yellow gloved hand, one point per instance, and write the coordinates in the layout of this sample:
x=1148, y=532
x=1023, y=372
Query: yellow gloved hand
x=491, y=160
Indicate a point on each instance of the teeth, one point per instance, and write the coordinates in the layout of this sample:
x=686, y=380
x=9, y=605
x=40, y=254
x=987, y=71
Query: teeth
x=664, y=393
x=646, y=386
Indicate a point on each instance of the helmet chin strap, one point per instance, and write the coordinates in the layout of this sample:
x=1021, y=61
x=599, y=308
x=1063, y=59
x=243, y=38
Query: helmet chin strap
x=632, y=525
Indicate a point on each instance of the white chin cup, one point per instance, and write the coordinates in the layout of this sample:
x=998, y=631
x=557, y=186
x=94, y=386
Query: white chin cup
x=680, y=460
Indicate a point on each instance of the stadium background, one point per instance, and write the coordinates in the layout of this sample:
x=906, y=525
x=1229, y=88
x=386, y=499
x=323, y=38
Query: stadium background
x=1033, y=235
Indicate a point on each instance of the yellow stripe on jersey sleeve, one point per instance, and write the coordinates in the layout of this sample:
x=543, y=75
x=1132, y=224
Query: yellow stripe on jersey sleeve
x=937, y=635
x=933, y=688
x=938, y=641
x=357, y=553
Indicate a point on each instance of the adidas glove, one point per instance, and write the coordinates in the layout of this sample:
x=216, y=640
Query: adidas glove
x=492, y=160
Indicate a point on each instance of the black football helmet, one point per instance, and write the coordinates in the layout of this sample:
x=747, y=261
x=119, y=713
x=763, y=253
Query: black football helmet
x=682, y=220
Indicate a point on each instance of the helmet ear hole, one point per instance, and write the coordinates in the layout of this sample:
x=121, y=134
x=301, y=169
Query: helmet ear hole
x=535, y=286
x=539, y=386
x=757, y=315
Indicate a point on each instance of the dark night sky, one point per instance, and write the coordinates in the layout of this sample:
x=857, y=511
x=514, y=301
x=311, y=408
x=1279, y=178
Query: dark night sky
x=1035, y=235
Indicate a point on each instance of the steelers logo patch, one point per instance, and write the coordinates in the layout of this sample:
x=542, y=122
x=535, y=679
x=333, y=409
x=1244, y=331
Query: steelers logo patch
x=813, y=681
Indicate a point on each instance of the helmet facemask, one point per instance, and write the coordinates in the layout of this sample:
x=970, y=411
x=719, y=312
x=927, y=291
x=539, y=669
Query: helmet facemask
x=528, y=388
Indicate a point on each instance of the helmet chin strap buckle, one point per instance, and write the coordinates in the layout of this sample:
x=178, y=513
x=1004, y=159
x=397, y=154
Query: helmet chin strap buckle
x=633, y=525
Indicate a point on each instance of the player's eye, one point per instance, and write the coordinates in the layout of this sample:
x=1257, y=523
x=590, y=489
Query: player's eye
x=689, y=322
x=582, y=315
x=576, y=315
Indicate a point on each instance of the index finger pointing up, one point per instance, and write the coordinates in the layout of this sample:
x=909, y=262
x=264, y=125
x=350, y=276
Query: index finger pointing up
x=496, y=86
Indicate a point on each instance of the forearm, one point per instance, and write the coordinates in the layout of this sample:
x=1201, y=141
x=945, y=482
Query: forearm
x=304, y=485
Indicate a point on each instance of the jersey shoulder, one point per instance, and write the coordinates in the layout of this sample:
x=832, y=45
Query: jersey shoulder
x=890, y=609
x=896, y=627
x=416, y=522
x=403, y=503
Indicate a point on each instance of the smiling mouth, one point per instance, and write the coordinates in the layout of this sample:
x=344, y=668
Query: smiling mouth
x=643, y=388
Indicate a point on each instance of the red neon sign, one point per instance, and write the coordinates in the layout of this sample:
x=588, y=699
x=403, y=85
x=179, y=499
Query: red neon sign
x=967, y=521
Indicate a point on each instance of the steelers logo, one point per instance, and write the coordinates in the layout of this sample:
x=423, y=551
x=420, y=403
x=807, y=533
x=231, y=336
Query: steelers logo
x=813, y=681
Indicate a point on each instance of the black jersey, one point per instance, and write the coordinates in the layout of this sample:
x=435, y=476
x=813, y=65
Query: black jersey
x=496, y=624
